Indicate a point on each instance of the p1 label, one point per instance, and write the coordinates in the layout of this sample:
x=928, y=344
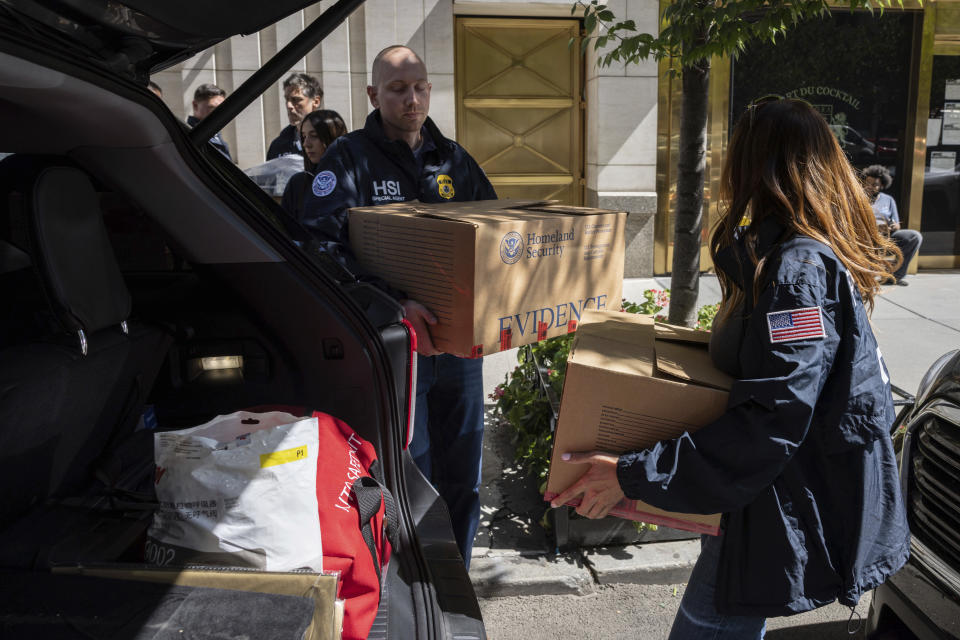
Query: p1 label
x=283, y=457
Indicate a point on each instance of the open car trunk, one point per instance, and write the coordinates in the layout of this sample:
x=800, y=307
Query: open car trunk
x=209, y=267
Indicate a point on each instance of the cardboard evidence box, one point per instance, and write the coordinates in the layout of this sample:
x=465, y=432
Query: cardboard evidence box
x=321, y=588
x=496, y=273
x=629, y=384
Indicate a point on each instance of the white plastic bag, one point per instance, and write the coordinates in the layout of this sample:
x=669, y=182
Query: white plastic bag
x=273, y=175
x=239, y=490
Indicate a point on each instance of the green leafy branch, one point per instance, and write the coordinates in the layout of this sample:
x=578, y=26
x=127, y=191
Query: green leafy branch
x=693, y=31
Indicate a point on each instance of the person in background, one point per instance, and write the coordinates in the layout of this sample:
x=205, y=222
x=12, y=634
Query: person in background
x=876, y=178
x=206, y=98
x=153, y=86
x=302, y=94
x=801, y=463
x=318, y=130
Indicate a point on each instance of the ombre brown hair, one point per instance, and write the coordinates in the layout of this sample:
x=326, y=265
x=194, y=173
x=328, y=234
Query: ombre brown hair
x=784, y=163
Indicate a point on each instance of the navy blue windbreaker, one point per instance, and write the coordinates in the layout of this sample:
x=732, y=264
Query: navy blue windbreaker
x=364, y=168
x=801, y=463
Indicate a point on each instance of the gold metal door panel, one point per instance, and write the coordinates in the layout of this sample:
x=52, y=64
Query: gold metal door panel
x=518, y=105
x=536, y=142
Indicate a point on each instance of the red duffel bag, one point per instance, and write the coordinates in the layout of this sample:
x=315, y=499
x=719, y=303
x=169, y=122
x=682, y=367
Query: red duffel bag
x=358, y=519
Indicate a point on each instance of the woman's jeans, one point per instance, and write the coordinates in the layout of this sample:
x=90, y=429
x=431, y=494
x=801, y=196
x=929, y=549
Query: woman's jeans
x=697, y=618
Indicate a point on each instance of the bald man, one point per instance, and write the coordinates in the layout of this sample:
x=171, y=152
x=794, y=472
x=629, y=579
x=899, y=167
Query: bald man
x=401, y=155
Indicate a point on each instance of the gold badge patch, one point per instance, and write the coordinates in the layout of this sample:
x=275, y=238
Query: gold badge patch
x=445, y=186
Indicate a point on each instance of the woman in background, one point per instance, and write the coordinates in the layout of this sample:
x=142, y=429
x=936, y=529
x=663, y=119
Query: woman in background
x=801, y=463
x=318, y=130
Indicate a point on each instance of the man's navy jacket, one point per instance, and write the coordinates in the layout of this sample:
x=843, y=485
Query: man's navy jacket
x=217, y=139
x=364, y=168
x=801, y=463
x=285, y=144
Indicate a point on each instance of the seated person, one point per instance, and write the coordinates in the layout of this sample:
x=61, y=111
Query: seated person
x=876, y=178
x=318, y=130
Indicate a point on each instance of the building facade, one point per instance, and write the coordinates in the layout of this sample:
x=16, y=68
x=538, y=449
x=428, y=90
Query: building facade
x=544, y=121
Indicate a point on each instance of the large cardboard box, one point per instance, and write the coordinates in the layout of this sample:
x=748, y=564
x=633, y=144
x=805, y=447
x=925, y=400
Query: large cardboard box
x=629, y=384
x=321, y=588
x=496, y=273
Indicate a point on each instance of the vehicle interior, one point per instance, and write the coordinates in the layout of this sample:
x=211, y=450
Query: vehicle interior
x=148, y=279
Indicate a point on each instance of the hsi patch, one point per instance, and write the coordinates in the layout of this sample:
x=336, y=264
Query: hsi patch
x=796, y=324
x=445, y=186
x=324, y=183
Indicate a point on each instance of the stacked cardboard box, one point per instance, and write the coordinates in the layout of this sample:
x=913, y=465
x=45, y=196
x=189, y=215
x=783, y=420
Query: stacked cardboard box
x=496, y=273
x=631, y=383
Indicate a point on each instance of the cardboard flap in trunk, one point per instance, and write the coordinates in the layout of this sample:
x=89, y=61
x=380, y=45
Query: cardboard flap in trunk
x=321, y=588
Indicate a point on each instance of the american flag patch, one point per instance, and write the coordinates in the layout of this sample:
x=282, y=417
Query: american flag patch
x=796, y=324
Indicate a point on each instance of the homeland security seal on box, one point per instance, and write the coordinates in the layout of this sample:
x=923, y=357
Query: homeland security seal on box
x=511, y=247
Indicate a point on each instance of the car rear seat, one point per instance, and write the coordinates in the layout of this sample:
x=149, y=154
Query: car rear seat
x=65, y=397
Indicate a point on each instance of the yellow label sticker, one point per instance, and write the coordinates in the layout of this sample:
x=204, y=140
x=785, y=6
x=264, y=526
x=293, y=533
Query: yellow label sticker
x=445, y=186
x=283, y=457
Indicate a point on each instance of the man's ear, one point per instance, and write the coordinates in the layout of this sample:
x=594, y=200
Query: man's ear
x=194, y=106
x=372, y=94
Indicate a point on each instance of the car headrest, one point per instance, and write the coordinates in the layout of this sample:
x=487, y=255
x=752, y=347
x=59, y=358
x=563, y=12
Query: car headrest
x=74, y=254
x=12, y=259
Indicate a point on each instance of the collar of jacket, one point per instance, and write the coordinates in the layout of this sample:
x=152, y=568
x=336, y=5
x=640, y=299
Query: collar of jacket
x=735, y=261
x=374, y=130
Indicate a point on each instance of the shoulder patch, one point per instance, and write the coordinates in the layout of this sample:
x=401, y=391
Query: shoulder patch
x=324, y=183
x=796, y=324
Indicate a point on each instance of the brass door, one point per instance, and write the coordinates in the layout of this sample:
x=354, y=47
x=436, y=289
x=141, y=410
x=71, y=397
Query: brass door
x=519, y=106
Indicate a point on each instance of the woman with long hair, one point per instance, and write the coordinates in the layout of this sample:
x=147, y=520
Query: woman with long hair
x=318, y=130
x=801, y=463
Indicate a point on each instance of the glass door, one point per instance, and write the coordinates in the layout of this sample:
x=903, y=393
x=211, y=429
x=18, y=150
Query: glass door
x=940, y=210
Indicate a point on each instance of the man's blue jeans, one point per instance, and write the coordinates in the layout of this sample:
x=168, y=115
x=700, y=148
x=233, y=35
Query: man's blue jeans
x=448, y=437
x=908, y=240
x=698, y=618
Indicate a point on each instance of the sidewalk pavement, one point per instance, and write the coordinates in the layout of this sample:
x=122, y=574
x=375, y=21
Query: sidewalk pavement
x=914, y=325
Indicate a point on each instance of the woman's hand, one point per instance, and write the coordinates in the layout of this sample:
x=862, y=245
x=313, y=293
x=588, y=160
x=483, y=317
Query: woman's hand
x=599, y=486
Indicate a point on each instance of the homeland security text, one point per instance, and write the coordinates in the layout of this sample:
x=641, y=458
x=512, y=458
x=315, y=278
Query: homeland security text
x=554, y=239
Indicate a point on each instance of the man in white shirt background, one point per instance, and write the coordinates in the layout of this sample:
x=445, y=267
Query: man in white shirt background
x=876, y=178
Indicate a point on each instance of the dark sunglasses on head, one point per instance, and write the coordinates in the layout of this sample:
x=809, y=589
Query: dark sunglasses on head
x=757, y=104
